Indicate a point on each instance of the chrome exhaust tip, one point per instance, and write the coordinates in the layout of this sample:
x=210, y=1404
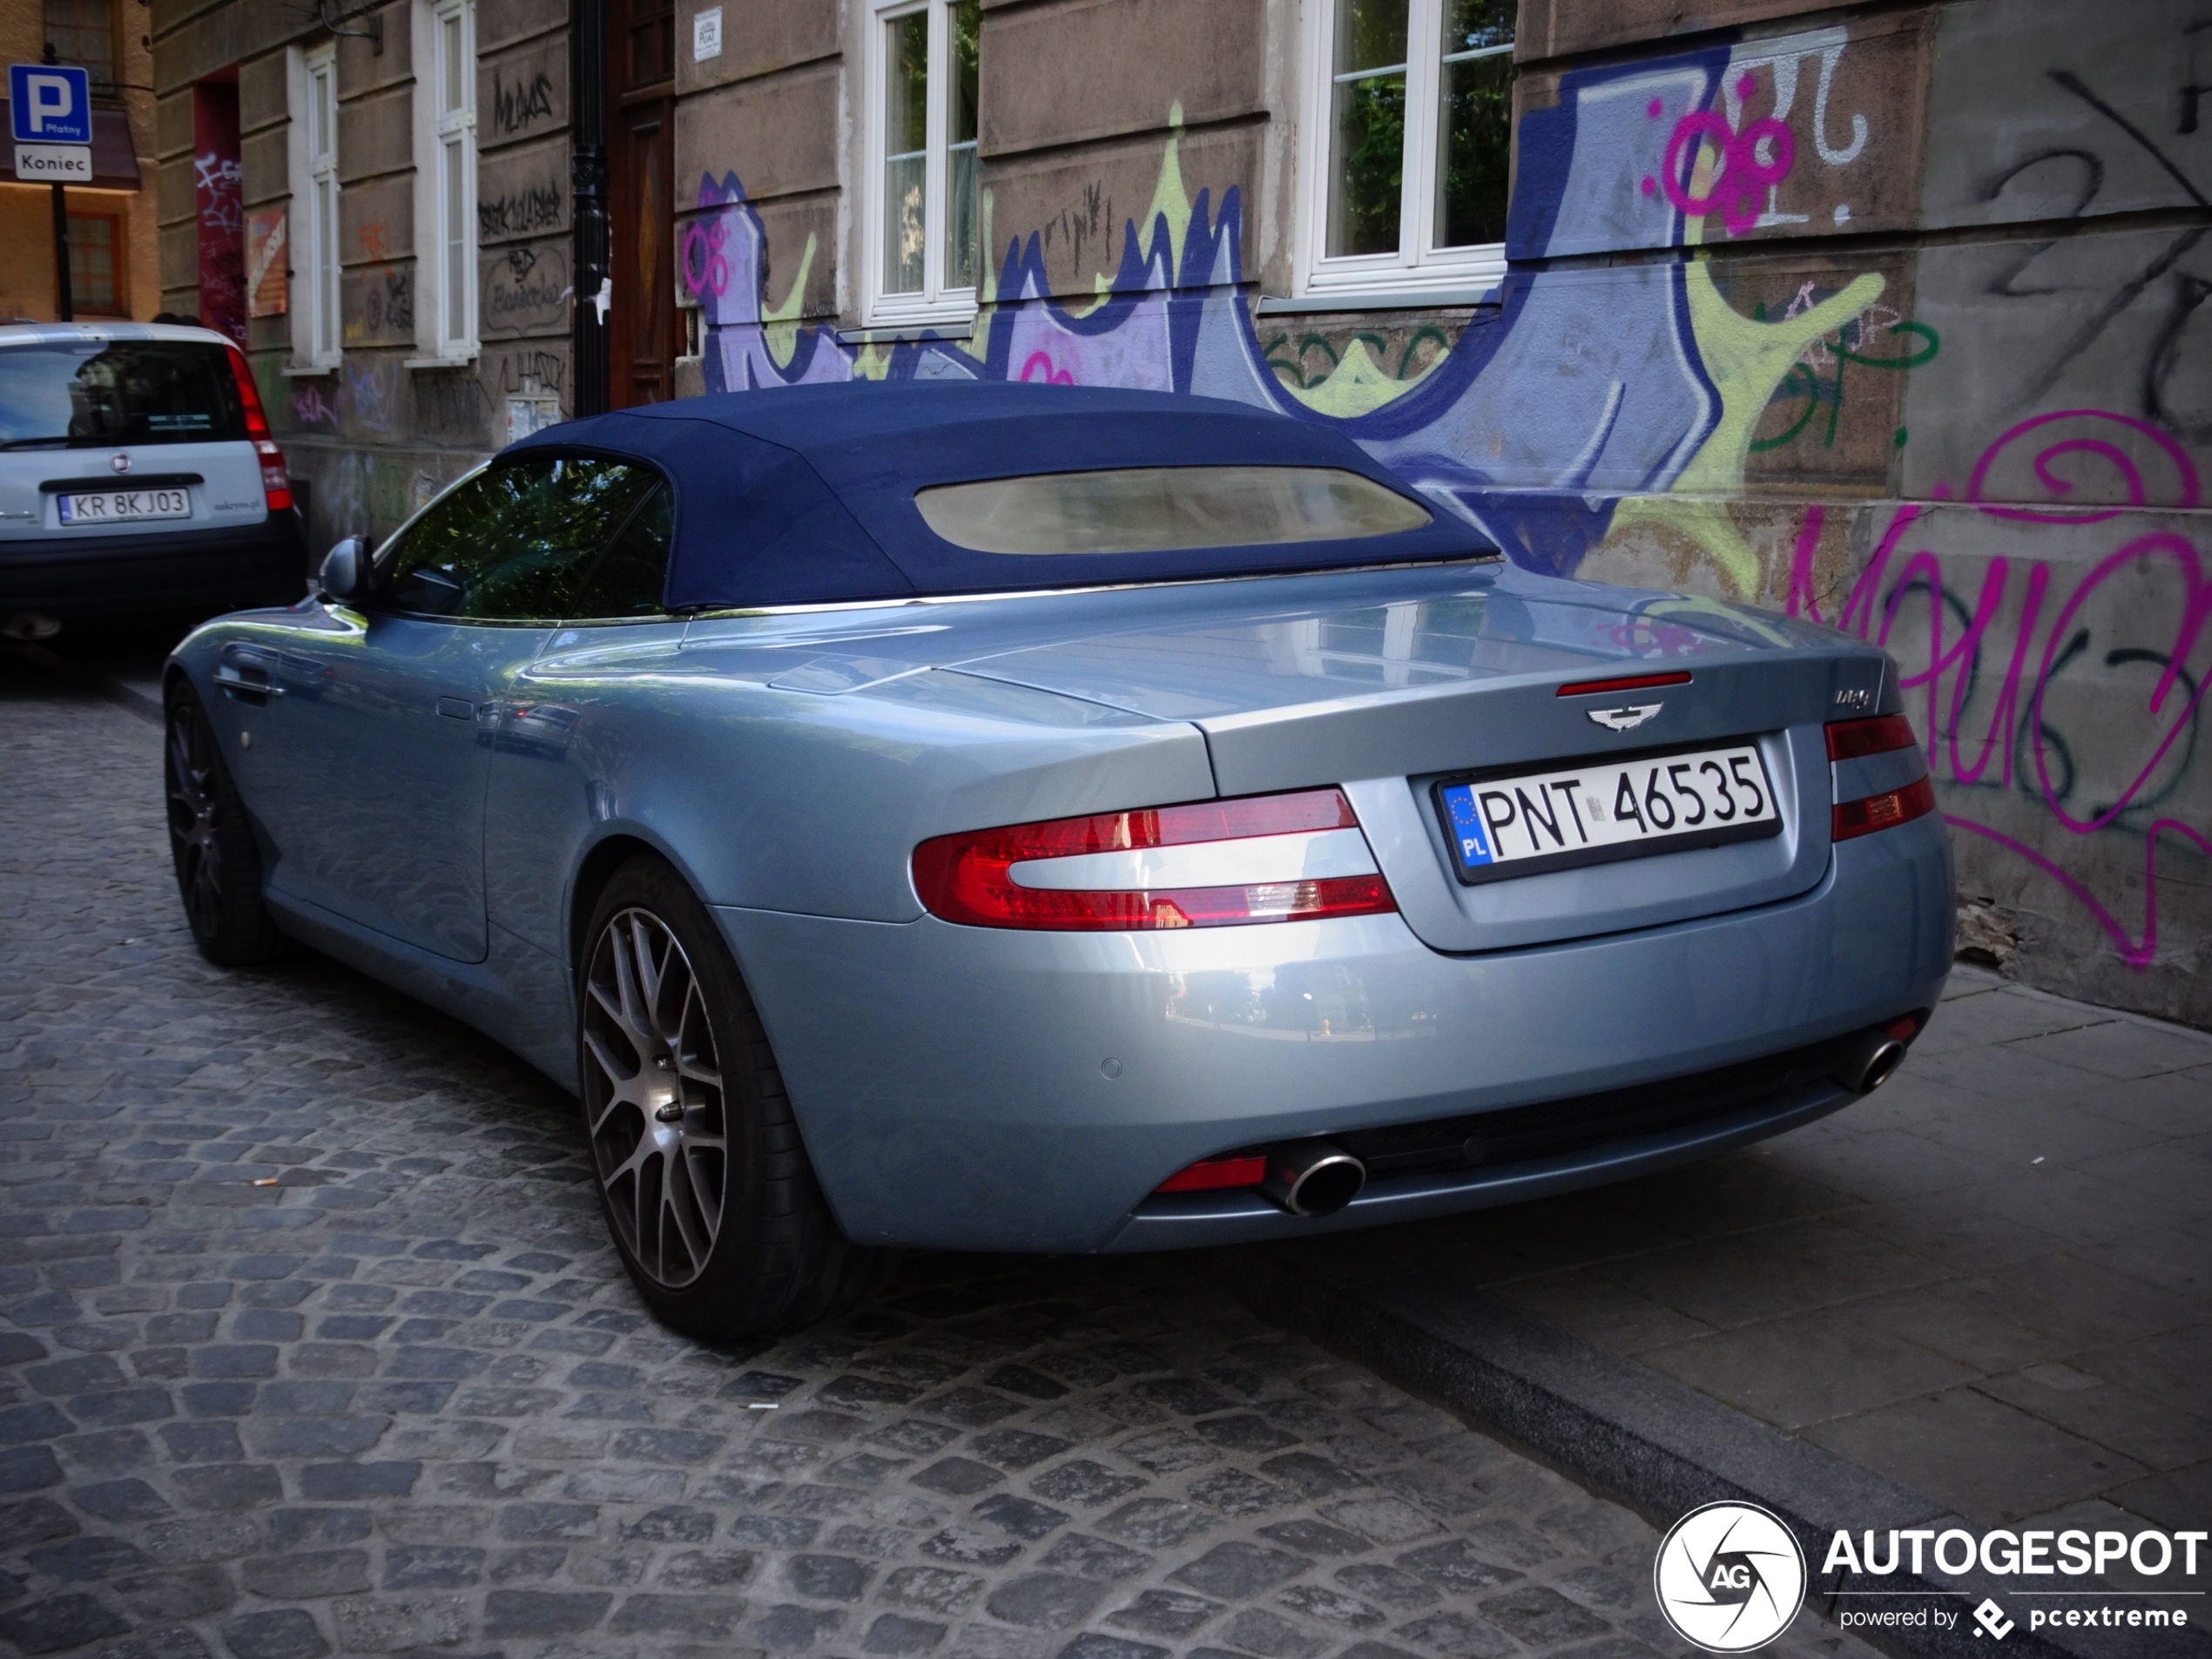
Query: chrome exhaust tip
x=1312, y=1178
x=1871, y=1062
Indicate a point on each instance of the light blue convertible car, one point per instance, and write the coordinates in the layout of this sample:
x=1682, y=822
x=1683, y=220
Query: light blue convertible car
x=1020, y=818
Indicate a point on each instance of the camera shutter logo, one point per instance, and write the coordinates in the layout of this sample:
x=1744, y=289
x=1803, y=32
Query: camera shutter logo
x=1730, y=1577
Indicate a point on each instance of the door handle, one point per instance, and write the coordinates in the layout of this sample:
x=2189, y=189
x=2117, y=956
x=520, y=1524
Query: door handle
x=231, y=680
x=456, y=708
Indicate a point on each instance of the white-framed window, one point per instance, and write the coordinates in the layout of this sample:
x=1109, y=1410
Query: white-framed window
x=920, y=232
x=445, y=180
x=318, y=338
x=1408, y=145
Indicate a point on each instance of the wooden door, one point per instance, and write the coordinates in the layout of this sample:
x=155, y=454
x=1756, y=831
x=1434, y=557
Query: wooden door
x=643, y=325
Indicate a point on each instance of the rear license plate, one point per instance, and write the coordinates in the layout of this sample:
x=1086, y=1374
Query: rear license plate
x=1521, y=823
x=118, y=506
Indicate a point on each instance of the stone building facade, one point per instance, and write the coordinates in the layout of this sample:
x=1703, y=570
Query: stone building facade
x=112, y=219
x=1888, y=314
x=404, y=193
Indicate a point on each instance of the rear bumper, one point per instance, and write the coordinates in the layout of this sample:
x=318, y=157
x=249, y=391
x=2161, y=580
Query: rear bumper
x=973, y=1089
x=225, y=569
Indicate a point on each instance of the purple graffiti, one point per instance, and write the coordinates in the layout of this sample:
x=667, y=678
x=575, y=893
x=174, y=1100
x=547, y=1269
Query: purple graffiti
x=2020, y=705
x=705, y=269
x=1039, y=367
x=2183, y=492
x=308, y=407
x=1743, y=171
x=2136, y=955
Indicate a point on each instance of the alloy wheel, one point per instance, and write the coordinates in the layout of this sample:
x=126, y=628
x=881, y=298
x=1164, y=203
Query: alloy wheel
x=193, y=838
x=652, y=1096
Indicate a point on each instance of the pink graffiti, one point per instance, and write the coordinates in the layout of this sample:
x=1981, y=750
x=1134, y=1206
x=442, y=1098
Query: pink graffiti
x=1869, y=615
x=308, y=407
x=1734, y=188
x=710, y=271
x=1039, y=359
x=2185, y=491
x=1803, y=601
x=2138, y=956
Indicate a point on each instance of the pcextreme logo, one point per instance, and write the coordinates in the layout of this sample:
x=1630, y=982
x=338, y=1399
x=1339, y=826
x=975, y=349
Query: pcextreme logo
x=1730, y=1577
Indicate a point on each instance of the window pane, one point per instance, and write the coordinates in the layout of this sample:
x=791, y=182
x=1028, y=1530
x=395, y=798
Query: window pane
x=1367, y=128
x=456, y=240
x=963, y=22
x=1474, y=123
x=629, y=577
x=83, y=32
x=513, y=542
x=960, y=231
x=1142, y=509
x=136, y=392
x=906, y=136
x=92, y=263
x=455, y=61
x=325, y=272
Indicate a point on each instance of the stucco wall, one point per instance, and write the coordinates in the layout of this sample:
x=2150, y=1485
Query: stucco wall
x=1898, y=321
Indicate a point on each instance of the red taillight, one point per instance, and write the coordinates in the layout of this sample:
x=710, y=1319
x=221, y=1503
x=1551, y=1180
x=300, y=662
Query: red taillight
x=1885, y=811
x=276, y=482
x=1212, y=1175
x=968, y=878
x=1634, y=682
x=1853, y=739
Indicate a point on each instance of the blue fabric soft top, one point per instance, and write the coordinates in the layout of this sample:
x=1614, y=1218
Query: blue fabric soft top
x=805, y=494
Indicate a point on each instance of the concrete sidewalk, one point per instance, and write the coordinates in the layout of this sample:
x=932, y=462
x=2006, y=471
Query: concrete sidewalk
x=1988, y=1286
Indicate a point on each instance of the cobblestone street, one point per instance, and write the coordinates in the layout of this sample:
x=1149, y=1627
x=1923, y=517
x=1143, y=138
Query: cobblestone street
x=311, y=1343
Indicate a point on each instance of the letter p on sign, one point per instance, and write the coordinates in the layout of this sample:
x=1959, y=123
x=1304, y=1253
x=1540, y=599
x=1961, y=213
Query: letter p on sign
x=49, y=103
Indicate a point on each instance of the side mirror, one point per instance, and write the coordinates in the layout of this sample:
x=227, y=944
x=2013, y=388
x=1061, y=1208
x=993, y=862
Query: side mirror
x=345, y=570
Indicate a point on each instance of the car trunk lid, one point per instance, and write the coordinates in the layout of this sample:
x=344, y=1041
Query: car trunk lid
x=1389, y=696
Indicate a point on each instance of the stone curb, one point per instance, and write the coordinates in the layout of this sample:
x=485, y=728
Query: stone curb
x=115, y=691
x=1629, y=1432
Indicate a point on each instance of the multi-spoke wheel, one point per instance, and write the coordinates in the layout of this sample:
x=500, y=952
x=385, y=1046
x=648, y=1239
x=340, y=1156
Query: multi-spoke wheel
x=706, y=1184
x=218, y=864
x=652, y=1091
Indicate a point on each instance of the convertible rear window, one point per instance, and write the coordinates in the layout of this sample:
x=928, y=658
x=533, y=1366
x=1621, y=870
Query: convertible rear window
x=61, y=394
x=1148, y=509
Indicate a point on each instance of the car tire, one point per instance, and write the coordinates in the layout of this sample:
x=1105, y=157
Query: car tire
x=697, y=1156
x=212, y=843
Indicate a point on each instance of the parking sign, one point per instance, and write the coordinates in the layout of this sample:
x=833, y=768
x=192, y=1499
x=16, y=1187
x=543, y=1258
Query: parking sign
x=49, y=103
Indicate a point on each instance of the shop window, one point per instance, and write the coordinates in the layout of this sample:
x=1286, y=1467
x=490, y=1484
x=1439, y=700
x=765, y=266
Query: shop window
x=96, y=255
x=923, y=231
x=1409, y=149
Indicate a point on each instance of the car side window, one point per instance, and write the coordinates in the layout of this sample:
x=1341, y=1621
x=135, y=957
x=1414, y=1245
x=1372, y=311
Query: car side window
x=514, y=543
x=630, y=574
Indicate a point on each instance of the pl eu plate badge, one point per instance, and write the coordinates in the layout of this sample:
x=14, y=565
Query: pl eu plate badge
x=1466, y=824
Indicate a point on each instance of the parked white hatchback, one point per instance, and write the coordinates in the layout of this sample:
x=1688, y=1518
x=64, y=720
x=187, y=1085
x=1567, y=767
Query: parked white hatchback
x=137, y=475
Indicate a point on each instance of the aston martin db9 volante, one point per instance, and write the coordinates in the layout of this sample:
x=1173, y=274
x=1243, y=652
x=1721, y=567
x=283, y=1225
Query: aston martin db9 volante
x=1017, y=818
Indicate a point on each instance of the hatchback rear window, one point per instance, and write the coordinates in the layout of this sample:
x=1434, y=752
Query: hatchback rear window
x=66, y=393
x=1146, y=509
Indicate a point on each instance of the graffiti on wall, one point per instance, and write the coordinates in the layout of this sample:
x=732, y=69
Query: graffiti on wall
x=1657, y=392
x=2072, y=681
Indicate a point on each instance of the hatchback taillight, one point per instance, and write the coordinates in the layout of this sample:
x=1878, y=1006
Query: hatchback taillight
x=1855, y=740
x=276, y=482
x=1210, y=864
